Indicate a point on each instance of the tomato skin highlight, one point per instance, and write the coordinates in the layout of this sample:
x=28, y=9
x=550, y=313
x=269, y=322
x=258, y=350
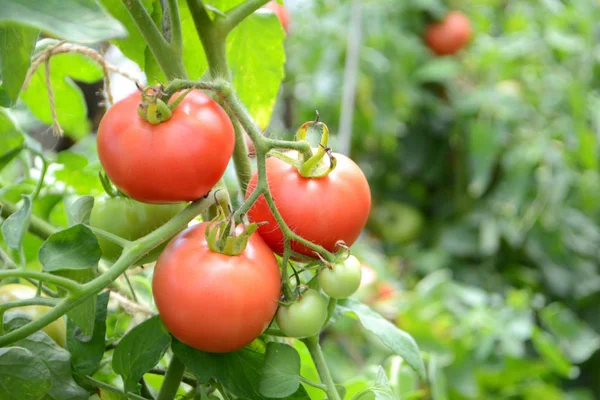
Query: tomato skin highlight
x=305, y=317
x=211, y=301
x=130, y=220
x=178, y=160
x=342, y=280
x=57, y=330
x=450, y=35
x=321, y=210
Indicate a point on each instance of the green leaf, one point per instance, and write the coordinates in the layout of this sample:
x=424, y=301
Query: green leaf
x=69, y=101
x=16, y=47
x=56, y=359
x=140, y=350
x=239, y=371
x=86, y=352
x=72, y=248
x=280, y=376
x=11, y=138
x=194, y=58
x=81, y=21
x=22, y=375
x=548, y=348
x=574, y=336
x=256, y=55
x=395, y=339
x=79, y=212
x=484, y=147
x=15, y=226
x=84, y=314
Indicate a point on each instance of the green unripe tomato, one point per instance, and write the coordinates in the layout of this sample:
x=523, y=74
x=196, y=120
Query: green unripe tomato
x=396, y=223
x=130, y=220
x=342, y=279
x=57, y=330
x=305, y=317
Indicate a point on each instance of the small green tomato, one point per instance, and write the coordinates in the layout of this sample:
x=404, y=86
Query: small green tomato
x=305, y=317
x=342, y=279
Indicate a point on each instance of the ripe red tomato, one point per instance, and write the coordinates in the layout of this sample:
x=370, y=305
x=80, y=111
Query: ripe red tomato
x=449, y=35
x=281, y=13
x=211, y=301
x=321, y=210
x=178, y=160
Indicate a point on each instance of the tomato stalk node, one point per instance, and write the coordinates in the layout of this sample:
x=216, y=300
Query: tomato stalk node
x=155, y=107
x=221, y=234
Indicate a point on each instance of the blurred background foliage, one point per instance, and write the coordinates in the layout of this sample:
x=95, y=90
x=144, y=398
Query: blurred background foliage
x=484, y=239
x=485, y=229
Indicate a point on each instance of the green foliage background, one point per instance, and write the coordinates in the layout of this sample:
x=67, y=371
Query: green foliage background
x=485, y=179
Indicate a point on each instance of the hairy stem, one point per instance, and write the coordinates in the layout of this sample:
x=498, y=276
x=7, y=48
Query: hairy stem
x=173, y=378
x=176, y=35
x=238, y=14
x=34, y=301
x=169, y=62
x=109, y=236
x=312, y=343
x=66, y=283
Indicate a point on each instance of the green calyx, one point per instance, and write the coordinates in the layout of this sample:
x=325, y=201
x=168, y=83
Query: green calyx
x=155, y=107
x=221, y=235
x=311, y=165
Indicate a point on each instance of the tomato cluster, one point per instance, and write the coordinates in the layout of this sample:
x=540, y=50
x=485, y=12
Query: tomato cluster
x=218, y=288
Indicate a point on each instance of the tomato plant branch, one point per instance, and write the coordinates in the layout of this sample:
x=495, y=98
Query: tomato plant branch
x=238, y=14
x=173, y=378
x=169, y=62
x=112, y=389
x=66, y=283
x=190, y=380
x=313, y=384
x=176, y=35
x=312, y=343
x=79, y=293
x=109, y=236
x=34, y=301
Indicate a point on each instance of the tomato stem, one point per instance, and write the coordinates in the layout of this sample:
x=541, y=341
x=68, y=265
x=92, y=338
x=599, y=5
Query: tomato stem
x=173, y=378
x=109, y=236
x=34, y=301
x=312, y=343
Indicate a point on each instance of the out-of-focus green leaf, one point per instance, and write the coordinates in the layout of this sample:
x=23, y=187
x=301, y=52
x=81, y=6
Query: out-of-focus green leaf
x=68, y=98
x=575, y=337
x=82, y=21
x=255, y=51
x=16, y=48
